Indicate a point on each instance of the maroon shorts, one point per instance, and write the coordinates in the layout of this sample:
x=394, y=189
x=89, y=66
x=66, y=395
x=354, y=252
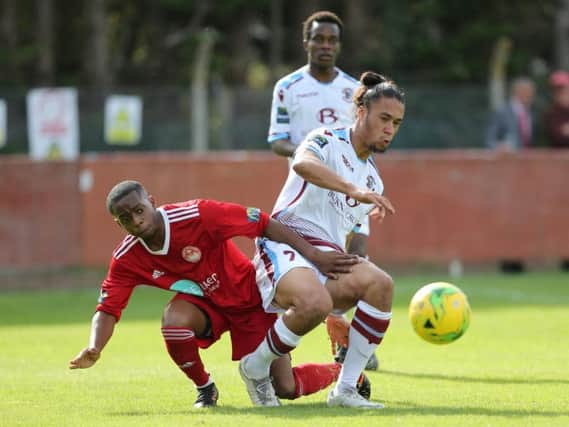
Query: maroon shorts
x=247, y=328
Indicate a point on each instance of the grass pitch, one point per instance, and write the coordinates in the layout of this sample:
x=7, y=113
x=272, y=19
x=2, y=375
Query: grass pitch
x=511, y=368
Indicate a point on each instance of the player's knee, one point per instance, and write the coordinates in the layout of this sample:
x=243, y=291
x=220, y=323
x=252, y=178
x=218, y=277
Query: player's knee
x=316, y=304
x=383, y=281
x=175, y=315
x=376, y=278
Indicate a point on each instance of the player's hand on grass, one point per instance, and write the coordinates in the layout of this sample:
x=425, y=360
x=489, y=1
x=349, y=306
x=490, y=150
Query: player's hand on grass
x=366, y=196
x=333, y=263
x=85, y=359
x=338, y=330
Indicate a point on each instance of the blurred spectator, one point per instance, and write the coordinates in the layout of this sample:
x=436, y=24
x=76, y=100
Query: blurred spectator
x=556, y=119
x=511, y=127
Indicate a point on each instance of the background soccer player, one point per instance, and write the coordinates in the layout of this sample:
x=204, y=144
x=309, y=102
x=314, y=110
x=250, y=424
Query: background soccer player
x=186, y=248
x=330, y=190
x=319, y=94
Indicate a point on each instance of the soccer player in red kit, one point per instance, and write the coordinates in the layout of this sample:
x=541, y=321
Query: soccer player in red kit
x=186, y=248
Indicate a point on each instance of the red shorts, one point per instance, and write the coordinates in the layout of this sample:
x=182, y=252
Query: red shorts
x=247, y=328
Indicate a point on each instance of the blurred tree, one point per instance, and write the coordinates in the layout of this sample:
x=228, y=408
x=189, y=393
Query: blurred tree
x=9, y=39
x=562, y=35
x=276, y=38
x=154, y=41
x=45, y=43
x=97, y=57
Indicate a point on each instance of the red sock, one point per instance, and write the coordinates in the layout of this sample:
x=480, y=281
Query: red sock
x=183, y=350
x=312, y=377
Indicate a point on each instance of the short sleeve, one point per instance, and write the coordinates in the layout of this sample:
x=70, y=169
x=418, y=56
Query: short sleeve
x=116, y=290
x=223, y=220
x=280, y=115
x=318, y=142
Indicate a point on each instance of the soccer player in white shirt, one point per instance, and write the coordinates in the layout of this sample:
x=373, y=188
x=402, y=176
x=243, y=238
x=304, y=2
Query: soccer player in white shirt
x=331, y=188
x=317, y=95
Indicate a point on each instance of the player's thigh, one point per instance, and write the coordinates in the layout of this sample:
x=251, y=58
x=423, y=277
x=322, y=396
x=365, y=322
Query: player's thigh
x=285, y=277
x=299, y=287
x=350, y=288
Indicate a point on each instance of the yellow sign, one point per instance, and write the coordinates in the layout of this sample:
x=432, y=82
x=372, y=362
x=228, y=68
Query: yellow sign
x=123, y=120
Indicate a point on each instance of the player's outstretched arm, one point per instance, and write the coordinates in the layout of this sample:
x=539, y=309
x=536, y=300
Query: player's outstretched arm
x=329, y=263
x=102, y=327
x=308, y=166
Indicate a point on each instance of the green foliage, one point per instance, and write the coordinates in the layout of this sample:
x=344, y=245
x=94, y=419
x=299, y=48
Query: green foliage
x=440, y=40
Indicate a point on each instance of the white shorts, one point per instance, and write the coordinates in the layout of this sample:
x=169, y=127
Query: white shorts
x=272, y=261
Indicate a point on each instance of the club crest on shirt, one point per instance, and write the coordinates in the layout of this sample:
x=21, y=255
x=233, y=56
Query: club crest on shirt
x=281, y=95
x=370, y=182
x=347, y=94
x=191, y=254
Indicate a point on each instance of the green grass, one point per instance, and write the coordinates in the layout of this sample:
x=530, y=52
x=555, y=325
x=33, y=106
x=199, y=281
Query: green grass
x=511, y=368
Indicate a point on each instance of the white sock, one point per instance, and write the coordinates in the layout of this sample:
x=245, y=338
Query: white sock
x=360, y=348
x=279, y=340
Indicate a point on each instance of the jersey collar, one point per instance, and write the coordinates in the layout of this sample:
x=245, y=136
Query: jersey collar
x=166, y=246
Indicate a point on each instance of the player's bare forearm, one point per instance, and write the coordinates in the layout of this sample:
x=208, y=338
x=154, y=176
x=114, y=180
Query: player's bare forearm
x=278, y=232
x=308, y=166
x=102, y=327
x=283, y=147
x=357, y=244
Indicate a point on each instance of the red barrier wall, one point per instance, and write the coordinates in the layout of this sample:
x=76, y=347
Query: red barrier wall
x=40, y=213
x=252, y=179
x=476, y=206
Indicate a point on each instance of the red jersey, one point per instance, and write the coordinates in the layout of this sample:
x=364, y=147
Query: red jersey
x=197, y=257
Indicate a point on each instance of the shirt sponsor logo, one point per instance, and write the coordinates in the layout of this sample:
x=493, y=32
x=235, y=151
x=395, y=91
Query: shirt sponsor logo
x=341, y=205
x=253, y=214
x=210, y=284
x=347, y=94
x=327, y=116
x=307, y=95
x=191, y=254
x=157, y=274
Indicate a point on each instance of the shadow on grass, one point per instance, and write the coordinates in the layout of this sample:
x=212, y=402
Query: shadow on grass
x=484, y=380
x=307, y=410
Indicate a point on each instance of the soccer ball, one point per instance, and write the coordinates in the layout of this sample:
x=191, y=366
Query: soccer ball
x=439, y=313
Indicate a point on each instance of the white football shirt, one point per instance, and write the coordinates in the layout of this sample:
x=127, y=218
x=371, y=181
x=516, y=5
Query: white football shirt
x=301, y=104
x=323, y=216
